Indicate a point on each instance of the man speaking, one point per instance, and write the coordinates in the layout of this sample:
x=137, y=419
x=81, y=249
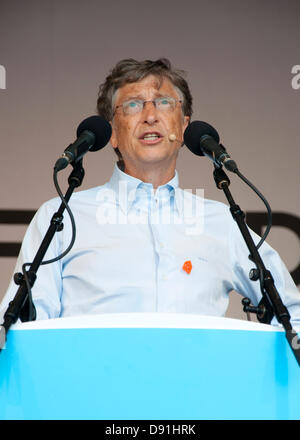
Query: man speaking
x=143, y=244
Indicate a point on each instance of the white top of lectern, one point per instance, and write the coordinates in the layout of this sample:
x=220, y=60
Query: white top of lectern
x=146, y=320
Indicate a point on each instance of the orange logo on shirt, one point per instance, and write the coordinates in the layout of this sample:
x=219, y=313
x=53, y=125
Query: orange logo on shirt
x=187, y=267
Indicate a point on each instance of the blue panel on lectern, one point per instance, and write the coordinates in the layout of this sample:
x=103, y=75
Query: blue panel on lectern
x=148, y=374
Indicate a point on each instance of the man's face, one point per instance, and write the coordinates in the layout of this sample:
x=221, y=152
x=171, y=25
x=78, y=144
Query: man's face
x=132, y=132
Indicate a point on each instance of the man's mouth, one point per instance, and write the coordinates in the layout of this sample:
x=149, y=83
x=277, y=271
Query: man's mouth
x=151, y=137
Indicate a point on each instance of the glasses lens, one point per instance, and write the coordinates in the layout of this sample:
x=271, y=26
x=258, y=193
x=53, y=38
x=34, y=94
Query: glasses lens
x=133, y=106
x=165, y=103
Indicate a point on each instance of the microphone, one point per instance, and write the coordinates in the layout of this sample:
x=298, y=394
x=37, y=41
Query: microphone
x=203, y=140
x=93, y=133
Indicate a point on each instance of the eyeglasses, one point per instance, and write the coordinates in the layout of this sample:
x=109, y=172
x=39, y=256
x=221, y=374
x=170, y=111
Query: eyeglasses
x=134, y=106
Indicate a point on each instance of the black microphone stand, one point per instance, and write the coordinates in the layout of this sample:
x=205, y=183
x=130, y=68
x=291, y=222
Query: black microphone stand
x=271, y=303
x=22, y=305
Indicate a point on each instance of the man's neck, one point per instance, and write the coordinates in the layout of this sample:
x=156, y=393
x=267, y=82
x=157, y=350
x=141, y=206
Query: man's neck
x=153, y=174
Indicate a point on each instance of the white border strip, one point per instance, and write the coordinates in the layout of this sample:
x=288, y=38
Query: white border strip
x=145, y=320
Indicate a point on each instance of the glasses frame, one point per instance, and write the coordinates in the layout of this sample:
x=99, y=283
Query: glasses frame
x=144, y=102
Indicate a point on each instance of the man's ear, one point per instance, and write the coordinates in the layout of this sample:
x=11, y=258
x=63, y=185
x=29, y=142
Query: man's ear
x=113, y=139
x=186, y=121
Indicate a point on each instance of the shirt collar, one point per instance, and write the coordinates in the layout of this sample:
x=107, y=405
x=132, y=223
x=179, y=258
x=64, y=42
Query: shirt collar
x=125, y=188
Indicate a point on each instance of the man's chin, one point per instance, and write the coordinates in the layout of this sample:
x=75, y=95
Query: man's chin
x=156, y=155
x=148, y=162
x=155, y=160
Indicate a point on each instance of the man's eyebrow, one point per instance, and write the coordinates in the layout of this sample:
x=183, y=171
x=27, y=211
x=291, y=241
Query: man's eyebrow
x=128, y=98
x=142, y=98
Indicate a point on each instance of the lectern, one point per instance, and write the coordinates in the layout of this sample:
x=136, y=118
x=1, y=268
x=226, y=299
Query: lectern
x=148, y=367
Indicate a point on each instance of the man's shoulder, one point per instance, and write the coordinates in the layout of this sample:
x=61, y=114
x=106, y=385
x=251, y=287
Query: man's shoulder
x=79, y=201
x=209, y=204
x=217, y=214
x=82, y=196
x=216, y=206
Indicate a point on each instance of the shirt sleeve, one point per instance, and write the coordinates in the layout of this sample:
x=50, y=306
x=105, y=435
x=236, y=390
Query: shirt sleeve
x=241, y=266
x=46, y=291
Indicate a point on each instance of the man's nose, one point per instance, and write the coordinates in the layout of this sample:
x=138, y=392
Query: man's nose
x=150, y=113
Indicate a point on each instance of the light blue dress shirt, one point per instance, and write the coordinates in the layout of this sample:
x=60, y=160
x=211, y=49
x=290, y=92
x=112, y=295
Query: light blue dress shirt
x=131, y=246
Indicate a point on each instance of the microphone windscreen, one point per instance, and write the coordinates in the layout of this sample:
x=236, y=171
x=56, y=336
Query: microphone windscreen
x=99, y=127
x=194, y=132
